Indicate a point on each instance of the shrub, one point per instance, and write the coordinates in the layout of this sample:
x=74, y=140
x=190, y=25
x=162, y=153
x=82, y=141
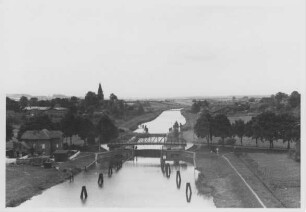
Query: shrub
x=220, y=142
x=230, y=141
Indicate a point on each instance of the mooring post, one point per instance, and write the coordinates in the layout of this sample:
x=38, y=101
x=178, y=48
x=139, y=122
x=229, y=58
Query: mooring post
x=168, y=170
x=100, y=180
x=188, y=192
x=178, y=179
x=83, y=193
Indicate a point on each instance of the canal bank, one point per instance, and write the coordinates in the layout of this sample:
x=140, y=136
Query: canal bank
x=25, y=181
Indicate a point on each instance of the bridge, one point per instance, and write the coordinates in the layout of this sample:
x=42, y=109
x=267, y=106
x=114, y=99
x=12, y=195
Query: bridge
x=148, y=139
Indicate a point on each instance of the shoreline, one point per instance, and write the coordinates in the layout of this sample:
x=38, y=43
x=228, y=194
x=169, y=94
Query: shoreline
x=133, y=123
x=220, y=182
x=37, y=180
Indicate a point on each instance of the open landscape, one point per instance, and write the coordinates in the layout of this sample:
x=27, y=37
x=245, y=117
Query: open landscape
x=160, y=104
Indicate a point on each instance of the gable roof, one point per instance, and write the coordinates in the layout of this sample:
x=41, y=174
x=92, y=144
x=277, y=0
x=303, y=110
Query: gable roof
x=41, y=135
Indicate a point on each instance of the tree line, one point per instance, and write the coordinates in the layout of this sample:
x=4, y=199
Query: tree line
x=73, y=124
x=266, y=127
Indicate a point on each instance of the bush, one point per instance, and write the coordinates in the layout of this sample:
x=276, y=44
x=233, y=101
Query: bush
x=230, y=141
x=220, y=142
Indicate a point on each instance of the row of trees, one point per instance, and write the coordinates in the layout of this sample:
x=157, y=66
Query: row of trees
x=75, y=125
x=267, y=126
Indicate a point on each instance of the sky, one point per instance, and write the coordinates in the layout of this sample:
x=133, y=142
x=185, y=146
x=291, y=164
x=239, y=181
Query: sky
x=153, y=48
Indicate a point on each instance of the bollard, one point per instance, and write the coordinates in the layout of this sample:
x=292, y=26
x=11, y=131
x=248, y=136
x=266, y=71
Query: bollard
x=83, y=193
x=168, y=170
x=110, y=171
x=178, y=179
x=85, y=168
x=188, y=192
x=100, y=180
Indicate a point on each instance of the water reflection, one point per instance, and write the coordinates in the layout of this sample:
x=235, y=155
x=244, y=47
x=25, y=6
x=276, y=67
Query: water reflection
x=137, y=184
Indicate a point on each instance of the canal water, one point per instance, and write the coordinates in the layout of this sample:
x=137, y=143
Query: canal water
x=139, y=183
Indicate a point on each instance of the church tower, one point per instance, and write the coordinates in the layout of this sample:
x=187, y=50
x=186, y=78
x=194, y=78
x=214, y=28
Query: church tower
x=100, y=93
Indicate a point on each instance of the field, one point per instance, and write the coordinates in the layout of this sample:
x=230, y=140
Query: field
x=280, y=174
x=25, y=181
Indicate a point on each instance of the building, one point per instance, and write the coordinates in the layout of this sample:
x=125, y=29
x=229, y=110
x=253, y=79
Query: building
x=44, y=141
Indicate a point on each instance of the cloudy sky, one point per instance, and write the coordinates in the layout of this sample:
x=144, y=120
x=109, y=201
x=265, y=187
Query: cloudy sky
x=153, y=48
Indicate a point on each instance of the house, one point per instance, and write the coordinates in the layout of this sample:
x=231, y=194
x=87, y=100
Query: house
x=43, y=141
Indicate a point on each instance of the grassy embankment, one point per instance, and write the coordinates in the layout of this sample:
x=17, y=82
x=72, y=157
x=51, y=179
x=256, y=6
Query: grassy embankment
x=26, y=181
x=274, y=177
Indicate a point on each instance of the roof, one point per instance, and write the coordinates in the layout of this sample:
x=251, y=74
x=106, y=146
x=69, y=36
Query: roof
x=36, y=108
x=41, y=135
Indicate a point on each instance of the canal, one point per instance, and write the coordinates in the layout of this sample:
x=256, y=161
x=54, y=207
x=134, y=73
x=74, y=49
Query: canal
x=139, y=183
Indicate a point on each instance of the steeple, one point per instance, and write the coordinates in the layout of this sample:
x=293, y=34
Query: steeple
x=100, y=93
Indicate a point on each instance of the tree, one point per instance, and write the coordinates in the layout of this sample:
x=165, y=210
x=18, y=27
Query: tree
x=287, y=128
x=9, y=130
x=106, y=129
x=33, y=101
x=239, y=129
x=23, y=102
x=100, y=93
x=294, y=99
x=195, y=108
x=221, y=126
x=113, y=97
x=91, y=99
x=84, y=128
x=268, y=123
x=279, y=97
x=12, y=105
x=68, y=124
x=253, y=129
x=202, y=128
x=36, y=123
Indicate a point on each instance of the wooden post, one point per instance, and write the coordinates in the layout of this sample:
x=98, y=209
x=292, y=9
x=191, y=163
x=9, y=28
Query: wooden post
x=178, y=179
x=83, y=193
x=188, y=192
x=100, y=180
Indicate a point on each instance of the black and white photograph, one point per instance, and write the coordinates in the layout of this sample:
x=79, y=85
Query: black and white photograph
x=171, y=105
